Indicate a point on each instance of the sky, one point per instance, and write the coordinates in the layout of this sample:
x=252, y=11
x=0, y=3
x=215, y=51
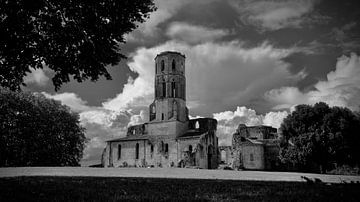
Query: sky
x=247, y=62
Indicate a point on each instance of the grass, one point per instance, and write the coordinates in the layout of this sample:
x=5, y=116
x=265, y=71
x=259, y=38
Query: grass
x=156, y=189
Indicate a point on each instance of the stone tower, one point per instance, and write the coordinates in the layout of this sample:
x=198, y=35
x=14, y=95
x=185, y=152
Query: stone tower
x=170, y=87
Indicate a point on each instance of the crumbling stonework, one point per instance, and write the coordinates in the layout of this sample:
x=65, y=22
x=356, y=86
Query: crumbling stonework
x=255, y=147
x=169, y=139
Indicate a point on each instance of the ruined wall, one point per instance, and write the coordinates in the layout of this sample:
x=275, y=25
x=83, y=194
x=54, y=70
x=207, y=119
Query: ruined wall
x=128, y=153
x=167, y=128
x=249, y=156
x=137, y=130
x=253, y=157
x=163, y=156
x=257, y=132
x=187, y=152
x=257, y=141
x=201, y=152
x=105, y=156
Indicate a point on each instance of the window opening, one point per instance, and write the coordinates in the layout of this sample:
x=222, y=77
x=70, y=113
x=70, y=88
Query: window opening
x=162, y=65
x=137, y=151
x=173, y=89
x=164, y=89
x=119, y=151
x=173, y=65
x=151, y=150
x=197, y=125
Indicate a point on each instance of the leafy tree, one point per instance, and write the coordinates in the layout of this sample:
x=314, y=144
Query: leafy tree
x=315, y=137
x=73, y=38
x=36, y=131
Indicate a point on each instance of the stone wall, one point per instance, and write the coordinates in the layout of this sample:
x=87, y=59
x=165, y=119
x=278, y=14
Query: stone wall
x=167, y=128
x=257, y=132
x=249, y=156
x=128, y=153
x=255, y=147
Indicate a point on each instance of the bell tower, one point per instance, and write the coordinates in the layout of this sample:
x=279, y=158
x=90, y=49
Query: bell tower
x=170, y=88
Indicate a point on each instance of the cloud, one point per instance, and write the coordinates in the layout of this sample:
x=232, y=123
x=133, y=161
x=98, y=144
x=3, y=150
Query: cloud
x=228, y=121
x=36, y=76
x=341, y=88
x=273, y=15
x=274, y=119
x=70, y=99
x=219, y=75
x=166, y=10
x=101, y=124
x=193, y=34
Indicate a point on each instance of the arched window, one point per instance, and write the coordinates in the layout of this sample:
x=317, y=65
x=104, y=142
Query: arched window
x=173, y=66
x=166, y=148
x=162, y=116
x=137, y=151
x=173, y=89
x=151, y=150
x=197, y=125
x=164, y=89
x=162, y=65
x=190, y=148
x=162, y=146
x=251, y=157
x=153, y=109
x=119, y=151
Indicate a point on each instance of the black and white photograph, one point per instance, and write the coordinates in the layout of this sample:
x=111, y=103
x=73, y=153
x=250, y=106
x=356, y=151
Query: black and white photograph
x=179, y=100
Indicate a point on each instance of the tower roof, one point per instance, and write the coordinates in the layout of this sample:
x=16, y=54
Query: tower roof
x=169, y=52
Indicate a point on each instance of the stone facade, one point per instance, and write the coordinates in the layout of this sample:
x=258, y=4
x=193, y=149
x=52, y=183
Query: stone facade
x=169, y=139
x=255, y=148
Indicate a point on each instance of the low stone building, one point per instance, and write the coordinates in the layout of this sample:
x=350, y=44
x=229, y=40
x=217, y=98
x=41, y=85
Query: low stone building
x=255, y=148
x=169, y=139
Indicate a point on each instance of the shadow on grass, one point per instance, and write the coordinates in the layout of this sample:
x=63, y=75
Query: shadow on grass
x=156, y=189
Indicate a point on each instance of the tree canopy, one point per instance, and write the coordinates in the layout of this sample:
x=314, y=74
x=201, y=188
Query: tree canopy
x=36, y=131
x=320, y=136
x=72, y=38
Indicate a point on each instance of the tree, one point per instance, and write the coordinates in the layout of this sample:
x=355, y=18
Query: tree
x=72, y=38
x=36, y=131
x=315, y=137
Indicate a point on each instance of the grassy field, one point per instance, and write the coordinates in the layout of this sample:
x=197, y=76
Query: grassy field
x=156, y=189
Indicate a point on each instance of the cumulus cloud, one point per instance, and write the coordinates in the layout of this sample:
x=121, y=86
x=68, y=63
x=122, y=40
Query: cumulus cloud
x=101, y=124
x=166, y=10
x=228, y=121
x=193, y=33
x=341, y=88
x=273, y=15
x=219, y=75
x=70, y=99
x=36, y=76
